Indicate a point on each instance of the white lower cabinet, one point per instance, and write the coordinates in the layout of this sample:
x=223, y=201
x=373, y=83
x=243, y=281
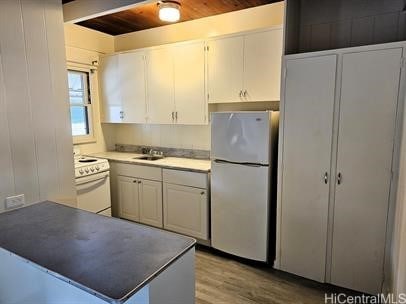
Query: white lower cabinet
x=186, y=210
x=150, y=194
x=140, y=200
x=175, y=200
x=137, y=193
x=128, y=198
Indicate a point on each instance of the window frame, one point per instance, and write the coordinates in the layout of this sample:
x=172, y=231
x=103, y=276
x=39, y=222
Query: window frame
x=88, y=138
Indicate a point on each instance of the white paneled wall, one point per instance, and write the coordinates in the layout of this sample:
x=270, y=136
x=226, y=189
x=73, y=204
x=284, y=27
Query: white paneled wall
x=35, y=137
x=345, y=23
x=170, y=136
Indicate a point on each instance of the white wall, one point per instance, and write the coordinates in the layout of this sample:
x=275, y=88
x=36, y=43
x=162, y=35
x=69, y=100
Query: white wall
x=83, y=46
x=398, y=257
x=191, y=137
x=238, y=21
x=36, y=145
x=86, y=39
x=170, y=136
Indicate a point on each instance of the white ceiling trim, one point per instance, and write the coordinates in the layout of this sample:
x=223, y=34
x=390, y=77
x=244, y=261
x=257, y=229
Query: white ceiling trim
x=81, y=10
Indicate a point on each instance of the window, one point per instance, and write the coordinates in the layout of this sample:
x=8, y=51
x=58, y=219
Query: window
x=80, y=106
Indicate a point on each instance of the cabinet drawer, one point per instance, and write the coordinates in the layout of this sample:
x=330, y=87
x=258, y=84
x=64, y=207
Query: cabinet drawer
x=145, y=172
x=192, y=179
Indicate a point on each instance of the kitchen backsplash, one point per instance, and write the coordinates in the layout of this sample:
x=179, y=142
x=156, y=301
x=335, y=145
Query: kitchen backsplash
x=170, y=136
x=174, y=152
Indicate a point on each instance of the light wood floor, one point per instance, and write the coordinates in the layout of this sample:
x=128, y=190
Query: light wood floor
x=221, y=279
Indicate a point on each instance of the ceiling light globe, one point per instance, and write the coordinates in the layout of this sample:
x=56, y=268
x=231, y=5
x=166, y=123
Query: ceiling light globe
x=169, y=12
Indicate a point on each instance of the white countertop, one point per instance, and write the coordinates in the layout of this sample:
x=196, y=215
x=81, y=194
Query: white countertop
x=188, y=164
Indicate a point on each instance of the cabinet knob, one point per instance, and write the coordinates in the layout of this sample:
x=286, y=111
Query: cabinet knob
x=325, y=178
x=245, y=93
x=139, y=182
x=240, y=93
x=202, y=193
x=339, y=178
x=134, y=181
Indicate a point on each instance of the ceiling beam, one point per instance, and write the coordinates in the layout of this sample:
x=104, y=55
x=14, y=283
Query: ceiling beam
x=80, y=10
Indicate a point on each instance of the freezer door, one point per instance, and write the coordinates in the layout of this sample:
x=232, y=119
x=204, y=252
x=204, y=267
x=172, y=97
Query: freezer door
x=241, y=137
x=239, y=209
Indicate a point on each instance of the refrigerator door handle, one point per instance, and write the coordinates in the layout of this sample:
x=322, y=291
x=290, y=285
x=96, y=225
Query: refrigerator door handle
x=219, y=161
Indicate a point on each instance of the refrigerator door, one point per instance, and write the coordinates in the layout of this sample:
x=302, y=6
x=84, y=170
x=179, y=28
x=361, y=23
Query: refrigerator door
x=241, y=137
x=239, y=209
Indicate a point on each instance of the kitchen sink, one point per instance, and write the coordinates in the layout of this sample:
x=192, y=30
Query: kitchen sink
x=149, y=157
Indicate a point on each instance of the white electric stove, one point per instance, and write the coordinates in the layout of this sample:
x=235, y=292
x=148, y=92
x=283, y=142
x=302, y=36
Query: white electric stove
x=92, y=177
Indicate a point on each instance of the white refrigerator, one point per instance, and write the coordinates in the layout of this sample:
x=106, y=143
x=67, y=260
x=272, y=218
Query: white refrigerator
x=243, y=179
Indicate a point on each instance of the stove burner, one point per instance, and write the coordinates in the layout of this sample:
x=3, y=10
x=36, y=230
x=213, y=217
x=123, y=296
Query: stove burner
x=87, y=160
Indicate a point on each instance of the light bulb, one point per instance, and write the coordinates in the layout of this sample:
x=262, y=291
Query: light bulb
x=169, y=11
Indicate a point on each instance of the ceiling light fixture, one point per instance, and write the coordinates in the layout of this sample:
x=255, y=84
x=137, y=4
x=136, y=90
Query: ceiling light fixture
x=169, y=11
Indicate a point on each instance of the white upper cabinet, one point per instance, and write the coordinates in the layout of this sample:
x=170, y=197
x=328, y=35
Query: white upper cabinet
x=110, y=89
x=262, y=65
x=172, y=84
x=190, y=96
x=176, y=84
x=245, y=68
x=160, y=88
x=123, y=89
x=225, y=69
x=131, y=72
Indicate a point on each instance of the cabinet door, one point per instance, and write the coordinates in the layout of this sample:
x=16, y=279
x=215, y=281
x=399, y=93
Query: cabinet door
x=190, y=99
x=150, y=202
x=369, y=94
x=132, y=80
x=160, y=88
x=110, y=89
x=307, y=139
x=186, y=210
x=225, y=69
x=128, y=198
x=262, y=65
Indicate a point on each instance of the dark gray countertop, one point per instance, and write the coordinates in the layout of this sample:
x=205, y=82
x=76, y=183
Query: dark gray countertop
x=107, y=257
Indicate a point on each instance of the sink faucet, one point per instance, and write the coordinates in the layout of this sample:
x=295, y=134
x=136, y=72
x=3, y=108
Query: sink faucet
x=153, y=152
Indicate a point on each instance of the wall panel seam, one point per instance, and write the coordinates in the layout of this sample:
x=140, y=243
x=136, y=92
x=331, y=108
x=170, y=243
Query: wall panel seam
x=27, y=76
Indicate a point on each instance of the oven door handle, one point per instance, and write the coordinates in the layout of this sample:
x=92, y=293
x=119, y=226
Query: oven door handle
x=92, y=178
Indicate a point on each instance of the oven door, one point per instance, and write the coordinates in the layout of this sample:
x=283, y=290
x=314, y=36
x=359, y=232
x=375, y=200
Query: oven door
x=93, y=192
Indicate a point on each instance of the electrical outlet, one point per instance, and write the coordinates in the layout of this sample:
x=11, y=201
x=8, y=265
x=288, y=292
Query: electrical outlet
x=15, y=201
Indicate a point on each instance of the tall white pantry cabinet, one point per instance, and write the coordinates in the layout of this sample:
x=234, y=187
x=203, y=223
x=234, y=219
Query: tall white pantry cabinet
x=339, y=113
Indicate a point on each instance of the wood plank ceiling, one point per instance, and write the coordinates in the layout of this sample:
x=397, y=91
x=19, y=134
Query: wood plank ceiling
x=145, y=16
